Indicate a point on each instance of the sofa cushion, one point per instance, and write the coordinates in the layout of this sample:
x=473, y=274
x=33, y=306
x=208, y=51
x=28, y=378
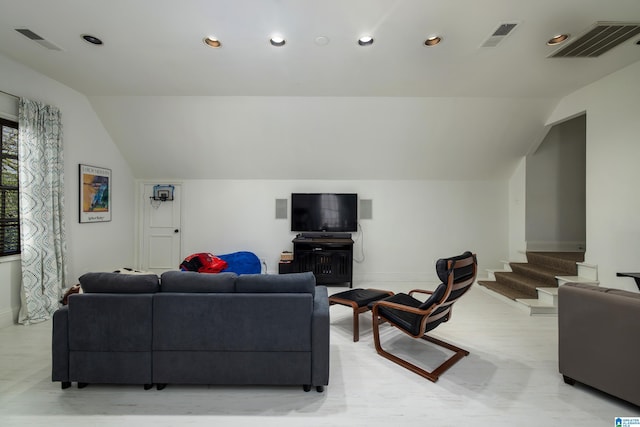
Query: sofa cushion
x=232, y=322
x=193, y=282
x=110, y=322
x=119, y=283
x=277, y=283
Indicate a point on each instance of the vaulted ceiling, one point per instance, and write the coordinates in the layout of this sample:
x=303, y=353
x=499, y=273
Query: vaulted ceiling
x=160, y=90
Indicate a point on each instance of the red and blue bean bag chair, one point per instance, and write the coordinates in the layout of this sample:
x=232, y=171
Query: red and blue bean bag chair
x=237, y=262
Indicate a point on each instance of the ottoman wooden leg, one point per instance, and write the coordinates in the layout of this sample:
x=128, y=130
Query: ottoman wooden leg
x=356, y=323
x=343, y=298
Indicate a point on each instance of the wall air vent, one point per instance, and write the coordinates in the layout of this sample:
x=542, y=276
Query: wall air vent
x=499, y=34
x=601, y=38
x=38, y=39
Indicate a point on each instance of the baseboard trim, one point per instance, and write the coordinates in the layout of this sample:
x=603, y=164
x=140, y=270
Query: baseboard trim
x=395, y=277
x=568, y=246
x=8, y=317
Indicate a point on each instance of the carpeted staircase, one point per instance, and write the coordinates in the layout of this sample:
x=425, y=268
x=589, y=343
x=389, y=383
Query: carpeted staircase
x=539, y=272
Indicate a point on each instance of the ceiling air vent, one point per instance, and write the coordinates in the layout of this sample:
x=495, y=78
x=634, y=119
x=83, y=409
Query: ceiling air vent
x=499, y=34
x=38, y=39
x=603, y=37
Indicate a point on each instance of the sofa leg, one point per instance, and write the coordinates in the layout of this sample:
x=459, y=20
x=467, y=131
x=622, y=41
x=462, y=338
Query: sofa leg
x=161, y=386
x=306, y=387
x=148, y=386
x=320, y=388
x=65, y=384
x=82, y=385
x=568, y=380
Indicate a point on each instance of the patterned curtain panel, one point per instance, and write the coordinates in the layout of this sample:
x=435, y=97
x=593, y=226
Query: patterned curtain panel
x=42, y=230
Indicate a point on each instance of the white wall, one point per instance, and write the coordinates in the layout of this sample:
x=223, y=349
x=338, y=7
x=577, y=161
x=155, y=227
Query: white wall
x=555, y=189
x=517, y=214
x=613, y=172
x=90, y=246
x=340, y=138
x=414, y=222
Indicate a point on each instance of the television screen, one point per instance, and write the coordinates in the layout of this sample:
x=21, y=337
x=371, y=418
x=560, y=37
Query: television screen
x=324, y=212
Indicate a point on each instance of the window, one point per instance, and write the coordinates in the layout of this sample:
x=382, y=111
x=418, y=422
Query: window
x=9, y=189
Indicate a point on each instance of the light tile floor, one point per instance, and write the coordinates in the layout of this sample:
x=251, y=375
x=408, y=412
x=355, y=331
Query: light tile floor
x=510, y=378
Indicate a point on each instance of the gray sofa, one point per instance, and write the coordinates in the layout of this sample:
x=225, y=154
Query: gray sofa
x=192, y=328
x=598, y=338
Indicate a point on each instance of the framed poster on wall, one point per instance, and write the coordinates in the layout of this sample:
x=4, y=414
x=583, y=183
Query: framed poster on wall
x=95, y=194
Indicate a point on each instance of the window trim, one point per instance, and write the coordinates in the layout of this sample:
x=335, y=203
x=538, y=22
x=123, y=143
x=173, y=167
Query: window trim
x=12, y=124
x=10, y=258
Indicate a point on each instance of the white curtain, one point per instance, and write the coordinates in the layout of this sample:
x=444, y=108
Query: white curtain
x=42, y=230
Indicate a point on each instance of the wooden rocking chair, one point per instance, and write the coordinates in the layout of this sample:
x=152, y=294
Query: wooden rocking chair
x=415, y=318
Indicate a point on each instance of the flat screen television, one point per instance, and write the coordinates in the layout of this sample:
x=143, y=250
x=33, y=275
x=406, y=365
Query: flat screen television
x=324, y=212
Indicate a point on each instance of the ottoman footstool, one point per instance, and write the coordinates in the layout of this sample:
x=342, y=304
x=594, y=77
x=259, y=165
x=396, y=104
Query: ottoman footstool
x=359, y=300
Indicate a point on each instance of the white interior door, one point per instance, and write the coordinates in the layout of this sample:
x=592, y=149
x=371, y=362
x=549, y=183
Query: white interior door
x=161, y=242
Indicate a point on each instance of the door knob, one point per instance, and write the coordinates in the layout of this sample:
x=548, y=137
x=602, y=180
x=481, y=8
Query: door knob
x=176, y=231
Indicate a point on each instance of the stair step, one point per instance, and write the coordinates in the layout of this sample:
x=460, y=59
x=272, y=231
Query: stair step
x=527, y=305
x=563, y=261
x=491, y=274
x=548, y=296
x=506, y=268
x=533, y=286
x=523, y=284
x=589, y=271
x=543, y=274
x=535, y=306
x=506, y=265
x=505, y=290
x=575, y=279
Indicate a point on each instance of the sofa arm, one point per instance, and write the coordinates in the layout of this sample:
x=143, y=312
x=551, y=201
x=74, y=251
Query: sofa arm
x=598, y=338
x=60, y=345
x=320, y=338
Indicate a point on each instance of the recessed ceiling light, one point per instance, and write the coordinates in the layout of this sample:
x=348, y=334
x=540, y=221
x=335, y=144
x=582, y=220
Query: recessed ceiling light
x=432, y=41
x=212, y=41
x=365, y=41
x=557, y=39
x=92, y=39
x=277, y=41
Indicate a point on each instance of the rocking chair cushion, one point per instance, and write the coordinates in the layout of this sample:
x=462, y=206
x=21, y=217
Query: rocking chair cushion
x=459, y=274
x=435, y=297
x=404, y=320
x=411, y=322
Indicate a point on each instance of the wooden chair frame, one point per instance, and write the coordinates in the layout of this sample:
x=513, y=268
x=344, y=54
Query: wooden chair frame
x=426, y=314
